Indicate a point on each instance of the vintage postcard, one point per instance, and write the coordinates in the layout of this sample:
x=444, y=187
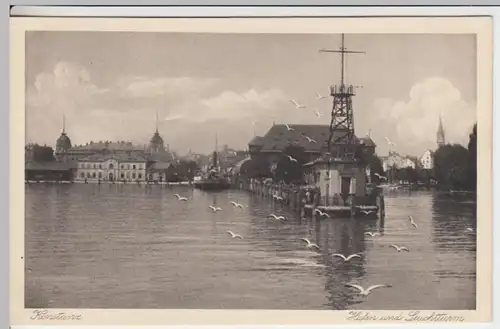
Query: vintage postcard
x=251, y=171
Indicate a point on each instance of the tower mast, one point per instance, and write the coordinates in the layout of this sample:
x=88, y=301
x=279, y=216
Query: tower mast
x=157, y=121
x=342, y=122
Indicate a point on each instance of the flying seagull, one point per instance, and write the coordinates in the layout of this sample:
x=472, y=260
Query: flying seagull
x=288, y=127
x=180, y=198
x=215, y=209
x=398, y=248
x=309, y=244
x=372, y=234
x=236, y=204
x=318, y=96
x=297, y=105
x=310, y=140
x=234, y=235
x=277, y=217
x=380, y=176
x=322, y=214
x=346, y=259
x=366, y=292
x=412, y=222
x=277, y=197
x=319, y=114
x=390, y=142
x=367, y=212
x=291, y=158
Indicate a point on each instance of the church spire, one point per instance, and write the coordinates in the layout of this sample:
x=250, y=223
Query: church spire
x=63, y=123
x=157, y=121
x=440, y=133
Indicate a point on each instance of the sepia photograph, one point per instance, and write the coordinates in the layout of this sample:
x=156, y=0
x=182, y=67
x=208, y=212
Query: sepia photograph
x=251, y=171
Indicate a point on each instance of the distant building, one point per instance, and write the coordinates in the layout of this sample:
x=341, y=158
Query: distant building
x=427, y=160
x=396, y=161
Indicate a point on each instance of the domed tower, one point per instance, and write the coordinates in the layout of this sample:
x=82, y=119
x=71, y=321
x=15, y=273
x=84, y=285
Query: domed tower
x=156, y=144
x=63, y=145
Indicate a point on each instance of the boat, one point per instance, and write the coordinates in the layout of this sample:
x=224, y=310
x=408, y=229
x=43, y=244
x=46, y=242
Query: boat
x=213, y=179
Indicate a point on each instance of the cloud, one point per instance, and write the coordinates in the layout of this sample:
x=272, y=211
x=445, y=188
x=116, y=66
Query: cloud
x=413, y=123
x=126, y=108
x=164, y=86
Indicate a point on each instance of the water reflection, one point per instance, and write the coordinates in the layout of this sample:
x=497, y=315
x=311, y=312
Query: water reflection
x=145, y=249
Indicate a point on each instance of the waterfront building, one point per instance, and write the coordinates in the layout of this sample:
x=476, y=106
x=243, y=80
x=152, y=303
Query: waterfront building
x=112, y=166
x=396, y=161
x=427, y=160
x=270, y=147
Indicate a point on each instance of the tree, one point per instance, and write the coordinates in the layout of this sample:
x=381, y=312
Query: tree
x=288, y=170
x=451, y=166
x=472, y=147
x=43, y=153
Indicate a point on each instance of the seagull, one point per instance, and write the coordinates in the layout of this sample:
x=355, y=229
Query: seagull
x=372, y=234
x=399, y=249
x=310, y=140
x=234, y=235
x=322, y=214
x=366, y=292
x=277, y=217
x=297, y=105
x=309, y=244
x=318, y=96
x=390, y=142
x=291, y=158
x=367, y=212
x=180, y=198
x=412, y=222
x=277, y=197
x=236, y=204
x=380, y=176
x=470, y=230
x=346, y=259
x=288, y=127
x=215, y=209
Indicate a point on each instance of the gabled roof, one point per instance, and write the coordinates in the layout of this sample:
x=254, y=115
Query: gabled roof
x=101, y=145
x=257, y=141
x=133, y=156
x=161, y=166
x=49, y=166
x=279, y=137
x=367, y=141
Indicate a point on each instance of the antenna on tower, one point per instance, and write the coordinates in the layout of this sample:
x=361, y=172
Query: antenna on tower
x=342, y=123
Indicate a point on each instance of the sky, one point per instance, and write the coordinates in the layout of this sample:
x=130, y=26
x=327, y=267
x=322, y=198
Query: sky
x=112, y=85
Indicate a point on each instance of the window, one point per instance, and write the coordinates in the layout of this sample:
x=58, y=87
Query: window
x=100, y=175
x=121, y=167
x=110, y=166
x=93, y=166
x=100, y=166
x=88, y=175
x=139, y=175
x=133, y=175
x=133, y=167
x=93, y=175
x=82, y=175
x=122, y=175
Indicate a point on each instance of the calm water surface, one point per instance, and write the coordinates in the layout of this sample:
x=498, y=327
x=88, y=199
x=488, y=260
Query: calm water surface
x=131, y=246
